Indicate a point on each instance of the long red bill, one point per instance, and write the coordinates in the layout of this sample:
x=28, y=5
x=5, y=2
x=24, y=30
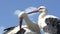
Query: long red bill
x=21, y=22
x=34, y=11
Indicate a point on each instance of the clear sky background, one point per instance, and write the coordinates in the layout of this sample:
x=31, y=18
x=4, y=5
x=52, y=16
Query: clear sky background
x=9, y=7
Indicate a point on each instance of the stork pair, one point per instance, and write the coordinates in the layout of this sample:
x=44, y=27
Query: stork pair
x=47, y=24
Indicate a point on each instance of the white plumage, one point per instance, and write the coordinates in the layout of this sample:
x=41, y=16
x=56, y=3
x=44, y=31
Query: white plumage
x=31, y=28
x=47, y=23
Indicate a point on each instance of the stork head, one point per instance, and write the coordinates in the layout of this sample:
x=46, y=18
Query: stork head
x=21, y=15
x=42, y=9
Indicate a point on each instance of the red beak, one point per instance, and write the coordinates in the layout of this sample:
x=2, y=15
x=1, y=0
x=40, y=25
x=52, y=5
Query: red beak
x=21, y=22
x=34, y=11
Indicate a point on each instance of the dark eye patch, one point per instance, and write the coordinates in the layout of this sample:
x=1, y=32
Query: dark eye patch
x=41, y=8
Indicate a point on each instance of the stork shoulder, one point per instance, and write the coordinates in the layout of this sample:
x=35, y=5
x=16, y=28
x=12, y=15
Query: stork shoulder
x=50, y=16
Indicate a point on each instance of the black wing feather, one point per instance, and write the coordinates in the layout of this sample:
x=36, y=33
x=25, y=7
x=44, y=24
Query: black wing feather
x=21, y=31
x=54, y=22
x=8, y=29
x=51, y=21
x=58, y=27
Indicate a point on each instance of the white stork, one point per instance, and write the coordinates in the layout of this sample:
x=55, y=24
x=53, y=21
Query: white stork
x=31, y=28
x=48, y=24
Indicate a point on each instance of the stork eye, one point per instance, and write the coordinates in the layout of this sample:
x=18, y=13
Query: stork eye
x=41, y=8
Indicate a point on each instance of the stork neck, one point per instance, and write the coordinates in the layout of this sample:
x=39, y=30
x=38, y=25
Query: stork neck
x=30, y=24
x=40, y=19
x=27, y=20
x=42, y=15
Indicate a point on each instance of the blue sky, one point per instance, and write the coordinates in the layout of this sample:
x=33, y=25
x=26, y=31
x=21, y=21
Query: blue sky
x=8, y=7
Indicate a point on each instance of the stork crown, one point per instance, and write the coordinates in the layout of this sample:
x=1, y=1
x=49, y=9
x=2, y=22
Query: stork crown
x=21, y=14
x=42, y=7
